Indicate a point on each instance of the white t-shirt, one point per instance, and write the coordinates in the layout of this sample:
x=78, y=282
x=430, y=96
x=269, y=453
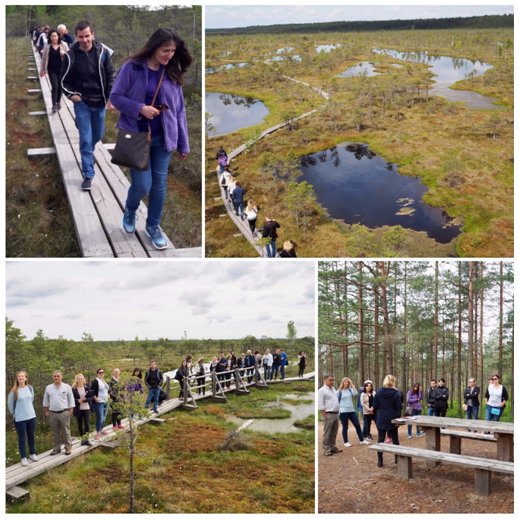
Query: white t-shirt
x=102, y=394
x=496, y=395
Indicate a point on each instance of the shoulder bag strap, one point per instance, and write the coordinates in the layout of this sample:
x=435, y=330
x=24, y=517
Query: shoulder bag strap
x=153, y=100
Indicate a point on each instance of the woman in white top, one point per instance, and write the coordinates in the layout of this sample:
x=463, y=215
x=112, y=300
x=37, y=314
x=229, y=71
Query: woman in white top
x=99, y=390
x=21, y=406
x=496, y=397
x=251, y=212
x=267, y=360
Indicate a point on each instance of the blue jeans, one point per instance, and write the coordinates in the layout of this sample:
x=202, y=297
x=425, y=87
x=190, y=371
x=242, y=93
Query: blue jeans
x=282, y=371
x=153, y=393
x=266, y=372
x=26, y=430
x=472, y=413
x=274, y=372
x=410, y=427
x=489, y=417
x=238, y=206
x=355, y=421
x=271, y=249
x=91, y=125
x=100, y=410
x=430, y=411
x=153, y=181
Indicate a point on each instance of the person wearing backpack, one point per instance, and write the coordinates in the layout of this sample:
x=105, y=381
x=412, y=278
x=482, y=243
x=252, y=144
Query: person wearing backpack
x=347, y=412
x=269, y=231
x=225, y=180
x=21, y=406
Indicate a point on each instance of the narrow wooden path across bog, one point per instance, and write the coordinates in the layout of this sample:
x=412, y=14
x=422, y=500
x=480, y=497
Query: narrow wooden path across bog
x=17, y=474
x=97, y=214
x=243, y=225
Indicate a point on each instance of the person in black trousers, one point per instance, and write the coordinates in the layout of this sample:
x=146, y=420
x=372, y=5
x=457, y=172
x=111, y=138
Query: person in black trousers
x=302, y=363
x=84, y=399
x=441, y=398
x=388, y=404
x=51, y=63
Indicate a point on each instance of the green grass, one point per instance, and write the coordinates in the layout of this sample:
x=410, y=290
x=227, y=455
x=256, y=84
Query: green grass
x=181, y=468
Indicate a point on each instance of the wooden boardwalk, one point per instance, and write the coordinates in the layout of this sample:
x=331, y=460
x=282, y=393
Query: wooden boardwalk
x=243, y=225
x=17, y=474
x=98, y=214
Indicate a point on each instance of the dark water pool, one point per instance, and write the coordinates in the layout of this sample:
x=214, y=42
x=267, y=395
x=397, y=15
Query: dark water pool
x=358, y=186
x=231, y=112
x=448, y=71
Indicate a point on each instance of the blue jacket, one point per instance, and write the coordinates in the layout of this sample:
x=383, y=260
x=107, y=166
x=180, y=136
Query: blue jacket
x=238, y=194
x=128, y=96
x=388, y=403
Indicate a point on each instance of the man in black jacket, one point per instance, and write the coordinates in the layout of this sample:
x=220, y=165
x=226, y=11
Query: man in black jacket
x=269, y=231
x=429, y=398
x=87, y=77
x=153, y=380
x=250, y=362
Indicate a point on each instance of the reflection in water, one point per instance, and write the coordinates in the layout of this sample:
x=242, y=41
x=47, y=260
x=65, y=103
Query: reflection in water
x=357, y=186
x=363, y=68
x=448, y=71
x=326, y=48
x=232, y=112
x=212, y=70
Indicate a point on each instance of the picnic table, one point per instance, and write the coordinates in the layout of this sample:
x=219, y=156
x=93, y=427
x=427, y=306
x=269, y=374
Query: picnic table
x=432, y=425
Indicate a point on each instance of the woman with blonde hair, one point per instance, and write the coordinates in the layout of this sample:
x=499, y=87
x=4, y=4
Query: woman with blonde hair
x=288, y=250
x=21, y=406
x=345, y=394
x=251, y=211
x=84, y=404
x=388, y=403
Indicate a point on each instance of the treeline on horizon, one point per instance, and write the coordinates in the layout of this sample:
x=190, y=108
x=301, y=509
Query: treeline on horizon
x=471, y=22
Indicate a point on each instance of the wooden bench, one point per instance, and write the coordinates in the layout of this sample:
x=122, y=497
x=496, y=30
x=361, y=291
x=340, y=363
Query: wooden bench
x=483, y=467
x=456, y=436
x=98, y=214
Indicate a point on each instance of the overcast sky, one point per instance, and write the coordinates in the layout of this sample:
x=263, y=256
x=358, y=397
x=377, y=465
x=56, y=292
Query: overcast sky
x=119, y=300
x=228, y=16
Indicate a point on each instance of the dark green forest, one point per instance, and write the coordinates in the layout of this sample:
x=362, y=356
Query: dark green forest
x=472, y=22
x=122, y=28
x=417, y=321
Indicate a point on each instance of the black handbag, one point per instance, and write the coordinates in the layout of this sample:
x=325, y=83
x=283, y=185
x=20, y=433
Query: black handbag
x=408, y=411
x=132, y=149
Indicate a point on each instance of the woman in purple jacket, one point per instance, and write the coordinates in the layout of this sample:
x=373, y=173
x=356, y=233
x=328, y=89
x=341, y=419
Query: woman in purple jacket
x=132, y=95
x=414, y=400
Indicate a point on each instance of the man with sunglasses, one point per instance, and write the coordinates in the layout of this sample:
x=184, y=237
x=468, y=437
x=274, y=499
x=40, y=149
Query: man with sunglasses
x=328, y=405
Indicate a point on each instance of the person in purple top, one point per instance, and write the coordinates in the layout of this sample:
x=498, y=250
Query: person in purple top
x=414, y=400
x=222, y=161
x=132, y=95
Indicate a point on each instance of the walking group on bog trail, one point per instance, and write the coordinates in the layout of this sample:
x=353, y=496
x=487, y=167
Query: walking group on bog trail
x=147, y=91
x=61, y=401
x=386, y=404
x=236, y=193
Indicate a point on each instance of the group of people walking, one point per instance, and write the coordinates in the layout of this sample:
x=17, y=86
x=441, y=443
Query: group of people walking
x=61, y=401
x=226, y=367
x=235, y=193
x=386, y=404
x=147, y=91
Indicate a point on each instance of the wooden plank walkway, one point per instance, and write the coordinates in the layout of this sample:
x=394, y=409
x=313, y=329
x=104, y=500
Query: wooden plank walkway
x=17, y=474
x=98, y=214
x=243, y=225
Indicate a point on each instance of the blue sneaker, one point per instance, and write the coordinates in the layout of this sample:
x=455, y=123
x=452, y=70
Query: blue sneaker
x=129, y=221
x=157, y=238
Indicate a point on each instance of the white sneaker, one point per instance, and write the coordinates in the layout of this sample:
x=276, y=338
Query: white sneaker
x=365, y=442
x=33, y=457
x=347, y=444
x=24, y=462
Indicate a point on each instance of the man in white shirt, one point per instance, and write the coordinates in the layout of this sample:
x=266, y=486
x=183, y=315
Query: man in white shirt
x=58, y=402
x=328, y=405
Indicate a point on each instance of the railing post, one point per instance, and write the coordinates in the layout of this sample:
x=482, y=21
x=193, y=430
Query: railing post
x=213, y=382
x=168, y=388
x=184, y=384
